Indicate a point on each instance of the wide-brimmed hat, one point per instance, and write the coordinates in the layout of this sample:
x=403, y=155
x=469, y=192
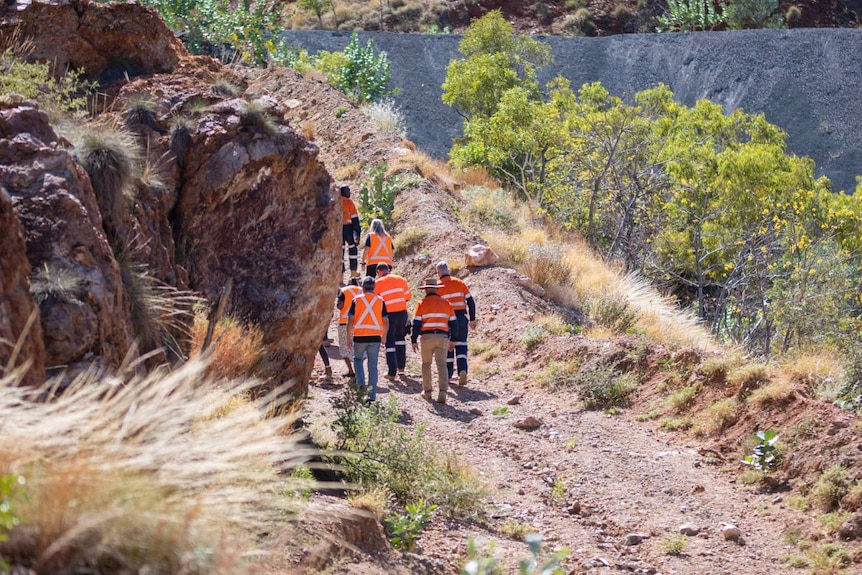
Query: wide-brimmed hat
x=429, y=283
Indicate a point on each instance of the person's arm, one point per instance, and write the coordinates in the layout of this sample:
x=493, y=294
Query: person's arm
x=385, y=314
x=339, y=301
x=350, y=315
x=357, y=227
x=453, y=327
x=365, y=249
x=471, y=310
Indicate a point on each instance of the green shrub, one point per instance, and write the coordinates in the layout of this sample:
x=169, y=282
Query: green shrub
x=363, y=76
x=457, y=489
x=689, y=15
x=533, y=335
x=674, y=545
x=603, y=386
x=11, y=492
x=67, y=93
x=675, y=423
x=613, y=312
x=559, y=374
x=745, y=14
x=405, y=528
x=832, y=485
x=763, y=455
x=682, y=399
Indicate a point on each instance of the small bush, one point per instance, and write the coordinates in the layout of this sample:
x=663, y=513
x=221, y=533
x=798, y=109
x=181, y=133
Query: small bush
x=224, y=86
x=405, y=528
x=378, y=192
x=828, y=559
x=613, y=312
x=385, y=116
x=832, y=485
x=553, y=323
x=853, y=500
x=140, y=109
x=533, y=335
x=348, y=172
x=603, y=387
x=489, y=207
x=674, y=545
x=516, y=530
x=375, y=500
x=716, y=417
x=714, y=370
x=559, y=374
x=254, y=116
x=747, y=378
x=484, y=350
x=457, y=489
x=832, y=522
x=546, y=266
x=51, y=282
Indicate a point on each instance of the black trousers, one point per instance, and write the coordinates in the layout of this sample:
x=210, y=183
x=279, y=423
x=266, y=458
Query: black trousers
x=348, y=239
x=396, y=342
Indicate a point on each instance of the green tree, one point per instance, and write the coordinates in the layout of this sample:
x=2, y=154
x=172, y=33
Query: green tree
x=318, y=7
x=746, y=14
x=365, y=75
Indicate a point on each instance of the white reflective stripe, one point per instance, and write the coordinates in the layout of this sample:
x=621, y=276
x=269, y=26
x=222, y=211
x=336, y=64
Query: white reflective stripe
x=394, y=300
x=402, y=342
x=447, y=317
x=461, y=356
x=390, y=350
x=434, y=325
x=453, y=295
x=368, y=313
x=460, y=342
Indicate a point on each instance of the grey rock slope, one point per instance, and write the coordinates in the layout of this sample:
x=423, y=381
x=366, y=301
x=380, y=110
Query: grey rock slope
x=807, y=81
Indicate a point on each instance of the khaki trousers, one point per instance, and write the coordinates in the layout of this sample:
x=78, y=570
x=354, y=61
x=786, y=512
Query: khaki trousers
x=433, y=346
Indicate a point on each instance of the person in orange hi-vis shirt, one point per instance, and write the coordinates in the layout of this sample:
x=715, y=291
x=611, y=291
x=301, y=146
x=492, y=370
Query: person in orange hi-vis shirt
x=343, y=303
x=395, y=291
x=351, y=229
x=377, y=249
x=459, y=297
x=433, y=322
x=367, y=323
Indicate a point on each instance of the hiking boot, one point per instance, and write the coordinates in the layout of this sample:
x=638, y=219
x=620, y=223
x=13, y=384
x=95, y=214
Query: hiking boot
x=402, y=372
x=354, y=274
x=462, y=378
x=426, y=395
x=441, y=399
x=390, y=377
x=349, y=375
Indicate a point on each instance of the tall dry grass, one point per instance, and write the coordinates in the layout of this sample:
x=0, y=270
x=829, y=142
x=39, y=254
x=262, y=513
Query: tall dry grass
x=163, y=473
x=236, y=351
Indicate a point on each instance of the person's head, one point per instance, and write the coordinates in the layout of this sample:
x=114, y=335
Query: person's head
x=383, y=269
x=377, y=227
x=345, y=190
x=429, y=285
x=368, y=284
x=442, y=269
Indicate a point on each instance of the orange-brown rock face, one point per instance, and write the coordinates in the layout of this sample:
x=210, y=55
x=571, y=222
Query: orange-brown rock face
x=106, y=41
x=75, y=274
x=256, y=208
x=19, y=316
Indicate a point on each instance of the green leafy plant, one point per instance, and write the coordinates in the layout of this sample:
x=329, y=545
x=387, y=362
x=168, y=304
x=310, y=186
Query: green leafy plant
x=365, y=75
x=378, y=192
x=404, y=529
x=500, y=410
x=603, y=386
x=11, y=491
x=762, y=457
x=674, y=545
x=535, y=563
x=558, y=490
x=747, y=14
x=533, y=335
x=340, y=111
x=689, y=15
x=65, y=93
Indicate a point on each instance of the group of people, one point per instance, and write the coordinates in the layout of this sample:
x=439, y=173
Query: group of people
x=373, y=311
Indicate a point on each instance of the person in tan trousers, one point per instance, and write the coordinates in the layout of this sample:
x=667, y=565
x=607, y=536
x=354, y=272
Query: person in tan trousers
x=433, y=321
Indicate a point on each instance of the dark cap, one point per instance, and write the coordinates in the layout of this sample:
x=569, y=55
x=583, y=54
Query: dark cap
x=384, y=268
x=368, y=283
x=344, y=189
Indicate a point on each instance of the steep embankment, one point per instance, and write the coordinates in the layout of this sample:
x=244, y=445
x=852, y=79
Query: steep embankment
x=805, y=81
x=591, y=482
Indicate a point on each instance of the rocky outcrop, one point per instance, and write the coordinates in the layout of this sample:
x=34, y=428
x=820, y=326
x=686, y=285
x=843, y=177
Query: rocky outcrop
x=256, y=209
x=106, y=41
x=76, y=278
x=19, y=316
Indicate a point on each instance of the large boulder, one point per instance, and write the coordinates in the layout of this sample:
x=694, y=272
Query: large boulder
x=107, y=41
x=75, y=276
x=19, y=316
x=256, y=209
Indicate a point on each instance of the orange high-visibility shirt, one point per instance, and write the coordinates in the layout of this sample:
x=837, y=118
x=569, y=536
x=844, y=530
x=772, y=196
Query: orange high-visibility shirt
x=435, y=313
x=350, y=293
x=367, y=315
x=380, y=251
x=348, y=210
x=394, y=290
x=455, y=291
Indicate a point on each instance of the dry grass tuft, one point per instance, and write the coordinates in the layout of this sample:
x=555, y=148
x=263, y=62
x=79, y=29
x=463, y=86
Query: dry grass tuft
x=776, y=393
x=237, y=349
x=716, y=417
x=376, y=500
x=308, y=130
x=385, y=116
x=150, y=473
x=477, y=176
x=348, y=172
x=819, y=372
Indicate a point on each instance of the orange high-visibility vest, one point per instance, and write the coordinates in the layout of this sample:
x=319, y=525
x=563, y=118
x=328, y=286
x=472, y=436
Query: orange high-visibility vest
x=454, y=291
x=380, y=251
x=394, y=290
x=348, y=210
x=435, y=313
x=350, y=293
x=367, y=315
